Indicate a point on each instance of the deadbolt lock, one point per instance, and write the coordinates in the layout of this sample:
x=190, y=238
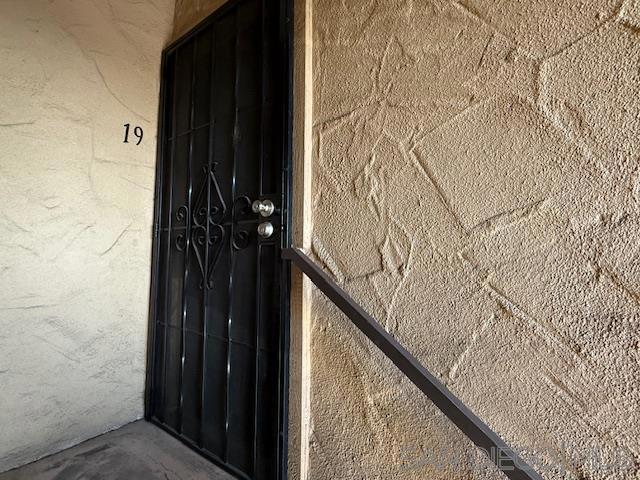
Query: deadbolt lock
x=263, y=207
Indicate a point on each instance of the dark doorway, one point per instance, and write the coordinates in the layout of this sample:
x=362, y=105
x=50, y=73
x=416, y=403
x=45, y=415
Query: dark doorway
x=218, y=352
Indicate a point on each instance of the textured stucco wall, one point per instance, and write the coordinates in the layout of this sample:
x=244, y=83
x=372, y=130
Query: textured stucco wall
x=75, y=216
x=188, y=13
x=477, y=188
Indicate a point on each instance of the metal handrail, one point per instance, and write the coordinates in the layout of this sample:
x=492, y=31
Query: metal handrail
x=475, y=429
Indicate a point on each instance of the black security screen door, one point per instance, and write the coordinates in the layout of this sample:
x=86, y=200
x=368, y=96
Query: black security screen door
x=219, y=337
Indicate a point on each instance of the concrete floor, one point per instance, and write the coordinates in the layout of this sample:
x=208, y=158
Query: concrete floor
x=138, y=451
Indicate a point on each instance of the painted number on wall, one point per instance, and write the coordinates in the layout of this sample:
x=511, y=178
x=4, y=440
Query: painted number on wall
x=137, y=132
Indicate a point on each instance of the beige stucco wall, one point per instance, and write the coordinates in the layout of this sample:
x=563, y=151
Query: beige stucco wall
x=75, y=216
x=188, y=13
x=477, y=188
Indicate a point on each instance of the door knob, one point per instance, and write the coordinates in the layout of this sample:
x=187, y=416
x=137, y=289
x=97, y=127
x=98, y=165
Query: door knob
x=265, y=230
x=263, y=207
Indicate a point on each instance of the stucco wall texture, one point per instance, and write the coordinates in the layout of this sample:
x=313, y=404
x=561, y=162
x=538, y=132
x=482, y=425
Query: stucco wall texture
x=477, y=189
x=188, y=13
x=75, y=216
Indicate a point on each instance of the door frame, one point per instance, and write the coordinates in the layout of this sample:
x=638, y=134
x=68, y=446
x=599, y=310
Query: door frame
x=286, y=76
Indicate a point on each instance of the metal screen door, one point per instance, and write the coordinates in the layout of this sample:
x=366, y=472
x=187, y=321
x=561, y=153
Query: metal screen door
x=217, y=374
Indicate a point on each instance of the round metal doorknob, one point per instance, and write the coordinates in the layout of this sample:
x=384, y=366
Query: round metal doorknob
x=263, y=207
x=265, y=230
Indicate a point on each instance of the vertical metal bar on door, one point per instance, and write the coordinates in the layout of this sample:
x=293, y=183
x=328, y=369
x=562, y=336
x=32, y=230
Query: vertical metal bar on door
x=258, y=312
x=205, y=296
x=231, y=237
x=188, y=239
x=169, y=230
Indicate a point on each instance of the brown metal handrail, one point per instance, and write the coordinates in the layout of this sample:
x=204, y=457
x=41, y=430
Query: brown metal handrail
x=508, y=461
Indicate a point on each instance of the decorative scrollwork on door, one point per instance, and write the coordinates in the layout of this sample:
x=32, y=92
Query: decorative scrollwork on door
x=241, y=208
x=206, y=227
x=207, y=224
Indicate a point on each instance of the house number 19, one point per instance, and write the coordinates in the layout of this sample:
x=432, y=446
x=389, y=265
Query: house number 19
x=137, y=131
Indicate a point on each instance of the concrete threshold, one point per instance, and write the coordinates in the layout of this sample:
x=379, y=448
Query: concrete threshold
x=138, y=451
